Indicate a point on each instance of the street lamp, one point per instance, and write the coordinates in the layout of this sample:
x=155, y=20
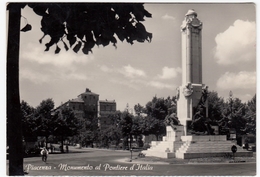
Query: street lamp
x=129, y=141
x=231, y=102
x=131, y=150
x=232, y=131
x=129, y=135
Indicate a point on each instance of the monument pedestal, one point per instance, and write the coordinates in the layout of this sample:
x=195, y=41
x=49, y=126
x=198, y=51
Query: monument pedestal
x=199, y=146
x=175, y=145
x=168, y=146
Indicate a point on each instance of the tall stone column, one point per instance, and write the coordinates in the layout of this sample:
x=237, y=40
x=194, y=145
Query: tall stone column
x=191, y=29
x=189, y=94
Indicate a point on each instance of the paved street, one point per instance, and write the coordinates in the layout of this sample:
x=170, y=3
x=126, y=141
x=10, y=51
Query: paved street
x=92, y=162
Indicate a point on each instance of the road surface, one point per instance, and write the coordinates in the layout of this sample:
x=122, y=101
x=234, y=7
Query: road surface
x=94, y=162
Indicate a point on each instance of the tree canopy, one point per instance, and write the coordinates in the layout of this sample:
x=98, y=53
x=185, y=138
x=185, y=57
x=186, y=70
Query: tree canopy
x=43, y=117
x=65, y=123
x=215, y=104
x=28, y=121
x=84, y=25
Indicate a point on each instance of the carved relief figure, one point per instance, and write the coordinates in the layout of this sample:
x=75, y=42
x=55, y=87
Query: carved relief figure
x=188, y=89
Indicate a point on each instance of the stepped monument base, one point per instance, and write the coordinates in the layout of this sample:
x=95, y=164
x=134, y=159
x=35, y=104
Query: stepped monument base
x=175, y=145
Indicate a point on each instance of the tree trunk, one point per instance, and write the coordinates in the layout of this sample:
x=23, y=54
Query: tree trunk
x=157, y=137
x=131, y=140
x=46, y=141
x=14, y=124
x=61, y=149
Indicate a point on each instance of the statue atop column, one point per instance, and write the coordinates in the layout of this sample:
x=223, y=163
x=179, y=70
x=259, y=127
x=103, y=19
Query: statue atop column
x=191, y=19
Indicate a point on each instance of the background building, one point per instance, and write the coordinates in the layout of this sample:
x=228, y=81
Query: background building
x=106, y=108
x=88, y=106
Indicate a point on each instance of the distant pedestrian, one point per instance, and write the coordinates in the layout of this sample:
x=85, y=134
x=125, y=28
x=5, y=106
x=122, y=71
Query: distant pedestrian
x=67, y=148
x=52, y=148
x=44, y=154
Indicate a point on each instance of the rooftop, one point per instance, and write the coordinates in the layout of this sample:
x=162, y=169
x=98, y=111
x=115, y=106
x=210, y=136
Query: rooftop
x=88, y=92
x=107, y=101
x=79, y=100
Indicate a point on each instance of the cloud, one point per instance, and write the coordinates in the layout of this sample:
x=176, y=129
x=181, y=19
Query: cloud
x=34, y=76
x=130, y=72
x=39, y=67
x=241, y=80
x=160, y=85
x=169, y=73
x=129, y=83
x=75, y=76
x=138, y=84
x=137, y=78
x=63, y=59
x=236, y=44
x=245, y=97
x=168, y=17
x=106, y=69
x=45, y=75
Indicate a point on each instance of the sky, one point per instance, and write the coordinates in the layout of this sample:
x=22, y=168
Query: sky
x=132, y=74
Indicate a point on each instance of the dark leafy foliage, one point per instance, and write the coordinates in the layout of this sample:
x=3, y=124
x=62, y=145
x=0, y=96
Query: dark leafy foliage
x=43, y=118
x=153, y=126
x=240, y=116
x=156, y=111
x=234, y=110
x=139, y=109
x=27, y=27
x=28, y=121
x=157, y=108
x=89, y=131
x=250, y=117
x=85, y=25
x=126, y=124
x=137, y=125
x=215, y=105
x=65, y=123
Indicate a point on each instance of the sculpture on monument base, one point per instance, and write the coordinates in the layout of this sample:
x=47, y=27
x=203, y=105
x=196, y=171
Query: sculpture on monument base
x=200, y=124
x=171, y=119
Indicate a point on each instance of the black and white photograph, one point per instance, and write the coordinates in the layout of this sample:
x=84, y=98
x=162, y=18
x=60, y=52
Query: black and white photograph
x=130, y=89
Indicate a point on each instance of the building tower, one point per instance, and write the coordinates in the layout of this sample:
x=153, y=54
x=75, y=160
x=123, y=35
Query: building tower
x=190, y=93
